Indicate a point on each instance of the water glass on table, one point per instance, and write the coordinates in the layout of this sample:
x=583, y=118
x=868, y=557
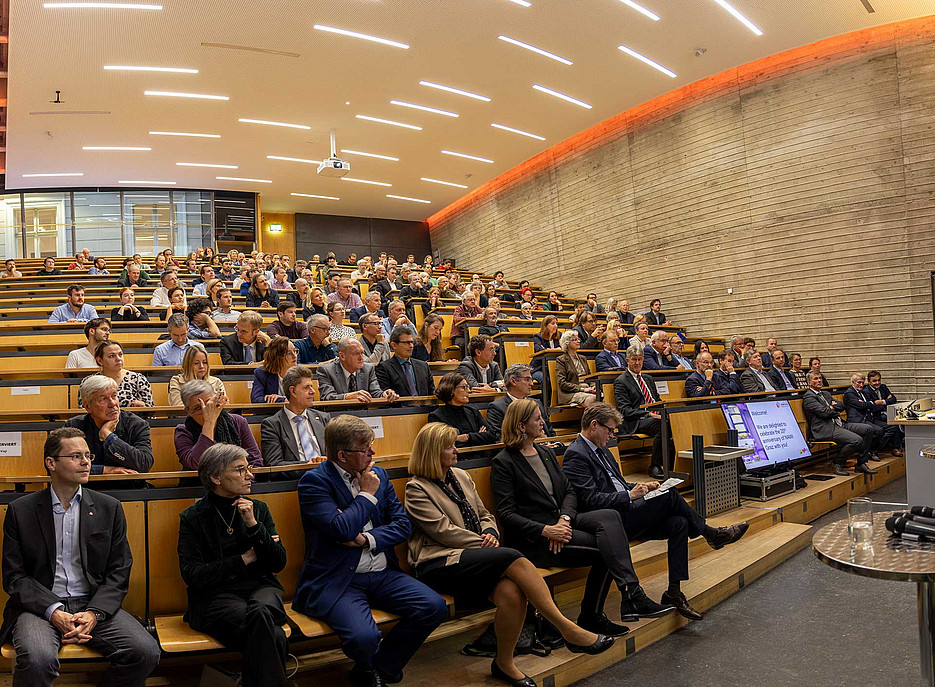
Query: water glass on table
x=860, y=522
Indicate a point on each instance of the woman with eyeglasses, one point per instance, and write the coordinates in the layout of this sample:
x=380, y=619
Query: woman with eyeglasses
x=208, y=424
x=280, y=355
x=454, y=392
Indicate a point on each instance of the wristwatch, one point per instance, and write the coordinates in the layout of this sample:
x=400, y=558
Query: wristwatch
x=100, y=616
x=566, y=518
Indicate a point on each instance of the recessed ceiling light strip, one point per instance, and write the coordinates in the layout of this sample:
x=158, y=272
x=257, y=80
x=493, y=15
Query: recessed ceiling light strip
x=55, y=174
x=366, y=181
x=389, y=121
x=270, y=123
x=124, y=148
x=364, y=36
x=176, y=94
x=379, y=157
x=469, y=157
x=312, y=195
x=101, y=5
x=739, y=17
x=517, y=131
x=414, y=200
x=540, y=51
x=457, y=91
x=424, y=108
x=646, y=60
x=641, y=9
x=128, y=68
x=137, y=182
x=204, y=164
x=183, y=133
x=443, y=183
x=293, y=159
x=258, y=181
x=568, y=98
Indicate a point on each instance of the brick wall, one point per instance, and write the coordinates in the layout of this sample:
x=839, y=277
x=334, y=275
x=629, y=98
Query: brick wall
x=805, y=183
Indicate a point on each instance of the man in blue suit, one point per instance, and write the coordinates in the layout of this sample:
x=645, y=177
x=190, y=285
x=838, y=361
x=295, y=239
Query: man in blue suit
x=725, y=380
x=610, y=358
x=598, y=482
x=353, y=520
x=701, y=381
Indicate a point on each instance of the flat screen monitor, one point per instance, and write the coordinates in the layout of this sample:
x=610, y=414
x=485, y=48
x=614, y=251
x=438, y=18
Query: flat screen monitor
x=770, y=429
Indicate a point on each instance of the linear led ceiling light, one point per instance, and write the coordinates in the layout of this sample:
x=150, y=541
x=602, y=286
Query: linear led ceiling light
x=540, y=51
x=312, y=195
x=101, y=5
x=390, y=122
x=183, y=133
x=641, y=9
x=739, y=17
x=55, y=174
x=364, y=36
x=269, y=123
x=379, y=157
x=115, y=148
x=424, y=108
x=646, y=60
x=469, y=157
x=456, y=91
x=518, y=131
x=176, y=94
x=414, y=200
x=568, y=98
x=204, y=164
x=366, y=181
x=293, y=159
x=128, y=68
x=443, y=183
x=258, y=181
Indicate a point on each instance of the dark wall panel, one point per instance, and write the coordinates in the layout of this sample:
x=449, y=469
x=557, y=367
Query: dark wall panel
x=362, y=235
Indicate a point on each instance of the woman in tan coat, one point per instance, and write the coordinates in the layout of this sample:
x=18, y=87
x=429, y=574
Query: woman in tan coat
x=569, y=368
x=455, y=549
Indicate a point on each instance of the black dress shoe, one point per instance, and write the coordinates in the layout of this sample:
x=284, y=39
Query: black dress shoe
x=876, y=457
x=637, y=605
x=866, y=469
x=496, y=672
x=601, y=644
x=366, y=676
x=681, y=605
x=602, y=625
x=728, y=535
x=656, y=472
x=841, y=471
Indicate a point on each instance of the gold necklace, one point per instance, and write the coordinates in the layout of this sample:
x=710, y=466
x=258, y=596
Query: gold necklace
x=229, y=525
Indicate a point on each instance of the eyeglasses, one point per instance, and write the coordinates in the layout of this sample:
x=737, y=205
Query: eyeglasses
x=318, y=326
x=359, y=450
x=405, y=343
x=612, y=430
x=463, y=385
x=78, y=457
x=243, y=470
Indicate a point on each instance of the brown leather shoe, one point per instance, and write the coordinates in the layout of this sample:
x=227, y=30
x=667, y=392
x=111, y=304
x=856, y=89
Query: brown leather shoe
x=728, y=535
x=681, y=605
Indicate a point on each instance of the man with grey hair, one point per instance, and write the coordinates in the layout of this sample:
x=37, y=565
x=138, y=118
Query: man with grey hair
x=657, y=355
x=822, y=412
x=316, y=348
x=372, y=339
x=402, y=373
x=353, y=521
x=735, y=344
x=753, y=379
x=171, y=352
x=518, y=380
x=396, y=316
x=372, y=303
x=349, y=377
x=345, y=295
x=295, y=434
x=631, y=392
x=229, y=554
x=119, y=440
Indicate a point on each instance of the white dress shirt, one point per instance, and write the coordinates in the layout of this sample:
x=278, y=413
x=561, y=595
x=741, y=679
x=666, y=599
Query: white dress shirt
x=295, y=433
x=369, y=560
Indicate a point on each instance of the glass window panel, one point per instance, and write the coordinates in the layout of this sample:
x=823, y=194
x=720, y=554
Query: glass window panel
x=10, y=226
x=148, y=217
x=47, y=224
x=192, y=214
x=98, y=225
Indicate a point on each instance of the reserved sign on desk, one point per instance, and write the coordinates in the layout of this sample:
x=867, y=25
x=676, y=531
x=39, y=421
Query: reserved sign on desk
x=11, y=443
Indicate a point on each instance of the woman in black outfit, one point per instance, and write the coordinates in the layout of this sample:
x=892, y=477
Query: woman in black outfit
x=547, y=337
x=538, y=513
x=455, y=549
x=453, y=391
x=127, y=311
x=261, y=294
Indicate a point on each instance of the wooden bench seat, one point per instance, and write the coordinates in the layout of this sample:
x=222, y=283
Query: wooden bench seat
x=68, y=652
x=175, y=636
x=313, y=628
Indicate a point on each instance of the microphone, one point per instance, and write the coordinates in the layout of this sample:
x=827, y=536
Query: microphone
x=924, y=511
x=916, y=518
x=910, y=412
x=904, y=527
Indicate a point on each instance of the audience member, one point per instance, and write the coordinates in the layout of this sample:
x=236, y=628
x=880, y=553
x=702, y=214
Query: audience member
x=701, y=381
x=300, y=294
x=133, y=389
x=875, y=390
x=822, y=412
x=479, y=368
x=655, y=315
x=726, y=380
x=593, y=306
x=128, y=311
x=10, y=270
x=676, y=346
x=97, y=330
x=467, y=309
x=640, y=337
x=98, y=267
x=169, y=353
x=547, y=338
x=413, y=289
x=632, y=391
x=247, y=344
x=753, y=379
x=316, y=347
x=279, y=357
x=75, y=310
x=199, y=316
x=353, y=520
x=195, y=365
x=345, y=295
x=626, y=317
x=286, y=323
x=119, y=440
x=553, y=303
x=735, y=345
x=177, y=303
x=349, y=377
x=402, y=373
x=396, y=316
x=589, y=331
x=388, y=285
x=455, y=394
x=168, y=280
x=599, y=484
x=519, y=381
x=371, y=305
x=609, y=359
x=525, y=313
x=862, y=408
x=48, y=268
x=428, y=345
x=772, y=345
x=66, y=582
x=200, y=283
x=279, y=281
x=538, y=512
x=657, y=355
x=444, y=290
x=570, y=367
x=372, y=339
x=261, y=294
x=295, y=434
x=338, y=330
x=814, y=365
x=491, y=326
x=80, y=262
x=455, y=549
x=777, y=375
x=229, y=554
x=796, y=373
x=208, y=424
x=224, y=312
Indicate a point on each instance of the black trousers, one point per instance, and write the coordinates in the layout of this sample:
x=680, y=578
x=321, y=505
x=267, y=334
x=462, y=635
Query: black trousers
x=652, y=426
x=855, y=437
x=598, y=540
x=252, y=624
x=666, y=517
x=892, y=436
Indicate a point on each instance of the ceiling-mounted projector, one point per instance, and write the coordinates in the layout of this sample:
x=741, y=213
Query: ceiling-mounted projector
x=333, y=166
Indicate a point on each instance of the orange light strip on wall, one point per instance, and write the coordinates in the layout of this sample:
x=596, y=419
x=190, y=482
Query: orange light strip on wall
x=813, y=56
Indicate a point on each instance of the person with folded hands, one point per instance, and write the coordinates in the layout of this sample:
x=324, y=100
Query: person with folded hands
x=455, y=549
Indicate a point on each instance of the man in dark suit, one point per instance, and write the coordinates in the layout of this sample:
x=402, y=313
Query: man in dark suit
x=631, y=391
x=822, y=412
x=413, y=289
x=295, y=434
x=754, y=379
x=247, y=344
x=701, y=381
x=735, y=345
x=372, y=303
x=349, y=377
x=862, y=408
x=389, y=285
x=655, y=315
x=229, y=554
x=609, y=359
x=479, y=368
x=725, y=380
x=518, y=380
x=353, y=522
x=876, y=390
x=402, y=373
x=598, y=482
x=657, y=355
x=626, y=317
x=589, y=331
x=66, y=568
x=776, y=374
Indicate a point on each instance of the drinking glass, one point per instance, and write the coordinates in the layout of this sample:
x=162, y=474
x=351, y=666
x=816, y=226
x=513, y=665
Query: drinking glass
x=860, y=522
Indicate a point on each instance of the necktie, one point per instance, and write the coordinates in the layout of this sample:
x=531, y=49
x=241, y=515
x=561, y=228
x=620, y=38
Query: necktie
x=352, y=382
x=837, y=419
x=648, y=397
x=410, y=377
x=308, y=447
x=247, y=355
x=608, y=461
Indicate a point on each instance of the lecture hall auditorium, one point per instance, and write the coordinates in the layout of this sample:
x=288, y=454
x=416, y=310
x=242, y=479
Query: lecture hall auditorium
x=426, y=226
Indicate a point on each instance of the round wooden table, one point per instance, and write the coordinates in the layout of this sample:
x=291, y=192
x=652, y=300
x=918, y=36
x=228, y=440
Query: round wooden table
x=888, y=558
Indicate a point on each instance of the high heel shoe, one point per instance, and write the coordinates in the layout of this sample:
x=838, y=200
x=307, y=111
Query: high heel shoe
x=497, y=673
x=601, y=644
